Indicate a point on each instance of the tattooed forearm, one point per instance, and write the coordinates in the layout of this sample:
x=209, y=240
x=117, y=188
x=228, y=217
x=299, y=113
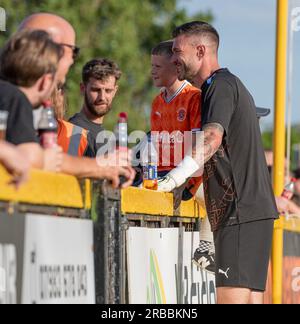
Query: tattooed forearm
x=213, y=135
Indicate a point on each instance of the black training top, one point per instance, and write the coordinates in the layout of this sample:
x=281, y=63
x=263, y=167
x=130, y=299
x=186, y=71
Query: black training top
x=93, y=129
x=20, y=127
x=237, y=184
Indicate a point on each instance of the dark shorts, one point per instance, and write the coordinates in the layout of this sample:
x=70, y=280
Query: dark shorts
x=243, y=254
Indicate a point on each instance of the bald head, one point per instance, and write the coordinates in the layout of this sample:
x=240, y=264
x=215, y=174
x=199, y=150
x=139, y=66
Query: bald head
x=61, y=31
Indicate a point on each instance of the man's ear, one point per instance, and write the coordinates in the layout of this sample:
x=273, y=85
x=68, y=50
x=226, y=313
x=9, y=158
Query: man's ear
x=45, y=82
x=200, y=51
x=82, y=88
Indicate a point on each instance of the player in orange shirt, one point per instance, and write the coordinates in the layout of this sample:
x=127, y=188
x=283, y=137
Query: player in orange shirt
x=175, y=110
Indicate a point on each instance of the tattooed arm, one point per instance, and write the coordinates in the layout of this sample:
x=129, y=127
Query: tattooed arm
x=213, y=135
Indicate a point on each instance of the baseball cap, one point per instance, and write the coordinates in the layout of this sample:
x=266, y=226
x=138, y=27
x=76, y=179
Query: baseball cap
x=262, y=112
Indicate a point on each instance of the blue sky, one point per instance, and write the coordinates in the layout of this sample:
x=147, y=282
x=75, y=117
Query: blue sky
x=247, y=30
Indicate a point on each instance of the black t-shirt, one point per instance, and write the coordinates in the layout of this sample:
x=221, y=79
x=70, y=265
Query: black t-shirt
x=20, y=127
x=93, y=129
x=237, y=184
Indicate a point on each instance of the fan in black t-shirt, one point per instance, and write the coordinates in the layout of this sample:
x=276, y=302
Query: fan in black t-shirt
x=99, y=87
x=94, y=129
x=20, y=127
x=28, y=63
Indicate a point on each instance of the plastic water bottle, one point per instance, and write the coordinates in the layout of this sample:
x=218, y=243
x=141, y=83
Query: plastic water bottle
x=121, y=134
x=149, y=163
x=289, y=189
x=47, y=127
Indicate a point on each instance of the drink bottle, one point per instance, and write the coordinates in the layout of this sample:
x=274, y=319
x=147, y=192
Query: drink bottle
x=149, y=162
x=121, y=133
x=289, y=189
x=47, y=127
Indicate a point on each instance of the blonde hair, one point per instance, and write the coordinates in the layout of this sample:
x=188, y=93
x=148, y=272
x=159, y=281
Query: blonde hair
x=59, y=102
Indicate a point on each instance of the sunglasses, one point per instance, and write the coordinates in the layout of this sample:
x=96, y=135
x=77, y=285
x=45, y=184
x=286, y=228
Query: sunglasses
x=75, y=50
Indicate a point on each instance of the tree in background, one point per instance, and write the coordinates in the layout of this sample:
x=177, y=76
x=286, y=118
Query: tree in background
x=122, y=30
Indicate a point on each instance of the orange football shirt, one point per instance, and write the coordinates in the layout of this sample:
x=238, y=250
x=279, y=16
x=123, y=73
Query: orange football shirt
x=171, y=118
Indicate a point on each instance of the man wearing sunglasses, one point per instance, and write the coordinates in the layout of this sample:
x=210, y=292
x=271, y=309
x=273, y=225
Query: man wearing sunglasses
x=62, y=33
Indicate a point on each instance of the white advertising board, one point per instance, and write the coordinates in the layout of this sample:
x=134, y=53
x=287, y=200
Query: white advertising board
x=58, y=261
x=152, y=256
x=153, y=268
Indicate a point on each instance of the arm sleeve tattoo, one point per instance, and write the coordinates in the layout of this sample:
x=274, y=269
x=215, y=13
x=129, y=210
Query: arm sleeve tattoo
x=213, y=135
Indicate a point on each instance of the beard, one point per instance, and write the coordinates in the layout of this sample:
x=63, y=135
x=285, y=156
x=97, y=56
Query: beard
x=185, y=72
x=94, y=109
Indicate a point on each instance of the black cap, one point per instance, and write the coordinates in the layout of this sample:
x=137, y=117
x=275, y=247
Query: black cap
x=262, y=112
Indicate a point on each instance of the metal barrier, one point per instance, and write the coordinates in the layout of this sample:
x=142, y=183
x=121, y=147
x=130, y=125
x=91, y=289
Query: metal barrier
x=160, y=241
x=37, y=259
x=108, y=246
x=133, y=208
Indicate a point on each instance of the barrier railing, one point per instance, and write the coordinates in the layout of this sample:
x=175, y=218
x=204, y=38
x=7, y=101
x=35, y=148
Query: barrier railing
x=134, y=210
x=107, y=246
x=44, y=258
x=57, y=192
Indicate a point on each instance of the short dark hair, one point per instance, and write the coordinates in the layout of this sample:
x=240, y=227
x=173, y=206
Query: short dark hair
x=100, y=69
x=163, y=48
x=199, y=28
x=27, y=56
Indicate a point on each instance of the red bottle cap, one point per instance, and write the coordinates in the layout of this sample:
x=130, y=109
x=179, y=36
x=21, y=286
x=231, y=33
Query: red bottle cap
x=47, y=103
x=293, y=180
x=123, y=117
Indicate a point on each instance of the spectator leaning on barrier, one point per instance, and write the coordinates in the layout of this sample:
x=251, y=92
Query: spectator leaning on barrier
x=28, y=65
x=63, y=34
x=10, y=157
x=238, y=192
x=98, y=87
x=109, y=167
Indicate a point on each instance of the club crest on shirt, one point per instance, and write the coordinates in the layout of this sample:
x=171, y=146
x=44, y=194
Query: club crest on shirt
x=181, y=114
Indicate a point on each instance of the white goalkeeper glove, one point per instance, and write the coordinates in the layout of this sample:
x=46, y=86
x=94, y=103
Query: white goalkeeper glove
x=178, y=176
